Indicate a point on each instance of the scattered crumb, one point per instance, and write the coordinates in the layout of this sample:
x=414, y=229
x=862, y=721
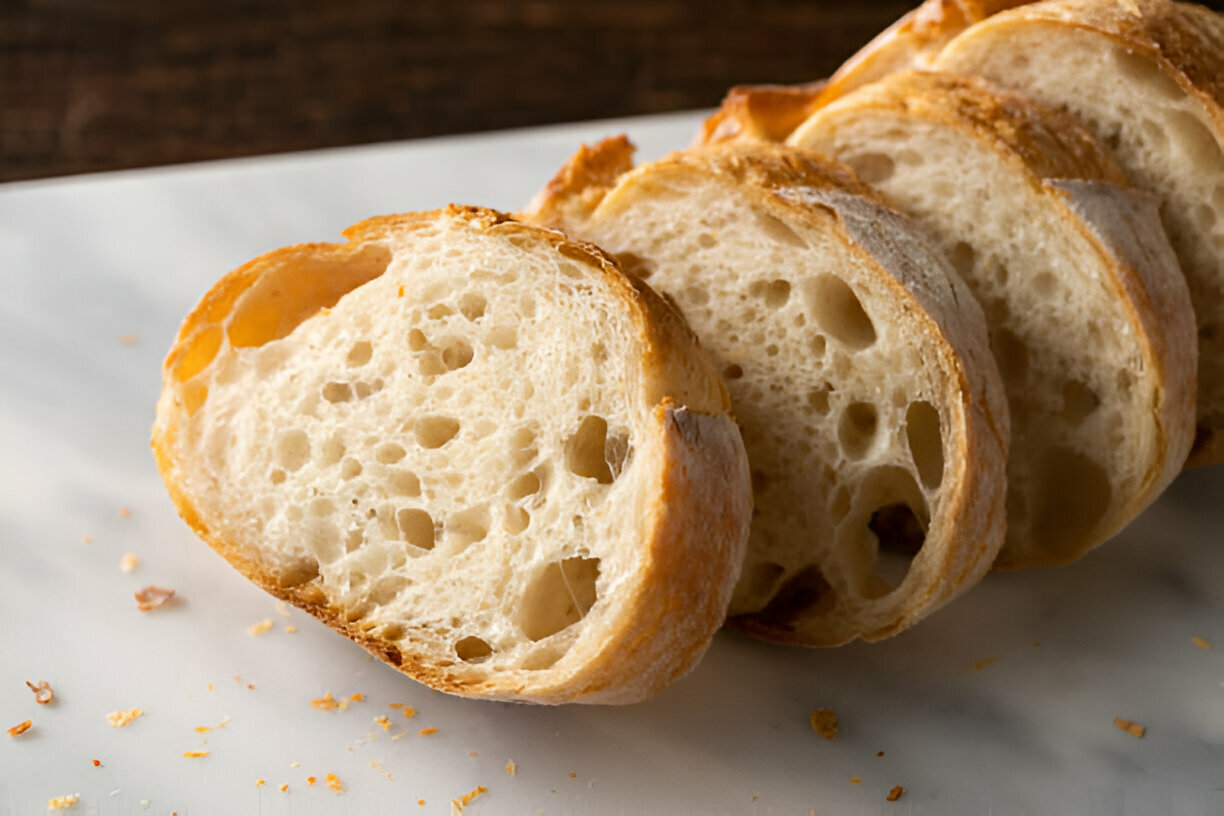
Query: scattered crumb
x=144, y=803
x=983, y=663
x=425, y=732
x=282, y=609
x=511, y=768
x=210, y=686
x=824, y=722
x=200, y=729
x=125, y=511
x=856, y=780
x=1132, y=728
x=128, y=339
x=378, y=766
x=152, y=597
x=295, y=764
x=398, y=736
x=195, y=754
x=457, y=805
x=42, y=692
x=20, y=728
x=334, y=783
x=284, y=788
x=290, y=629
x=63, y=802
x=896, y=793
x=97, y=763
x=250, y=686
x=310, y=780
x=124, y=716
x=1036, y=644
x=473, y=754
x=261, y=627
x=86, y=538
x=129, y=562
x=224, y=721
x=421, y=802
x=357, y=698
x=259, y=783
x=1202, y=643
x=383, y=721
x=879, y=753
x=327, y=702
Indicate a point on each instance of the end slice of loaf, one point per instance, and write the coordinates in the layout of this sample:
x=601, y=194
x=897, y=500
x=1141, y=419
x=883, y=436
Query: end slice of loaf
x=1088, y=312
x=871, y=408
x=1147, y=77
x=473, y=446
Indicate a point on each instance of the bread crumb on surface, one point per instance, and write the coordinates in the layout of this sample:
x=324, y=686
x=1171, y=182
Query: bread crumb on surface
x=124, y=716
x=42, y=692
x=896, y=793
x=295, y=764
x=473, y=754
x=86, y=538
x=97, y=763
x=421, y=802
x=20, y=728
x=125, y=512
x=378, y=766
x=824, y=722
x=334, y=783
x=457, y=805
x=63, y=802
x=152, y=597
x=129, y=562
x=284, y=788
x=282, y=609
x=879, y=753
x=425, y=732
x=1202, y=643
x=856, y=780
x=511, y=768
x=290, y=629
x=195, y=754
x=1132, y=728
x=259, y=783
x=128, y=339
x=261, y=627
x=144, y=803
x=382, y=720
x=984, y=663
x=310, y=780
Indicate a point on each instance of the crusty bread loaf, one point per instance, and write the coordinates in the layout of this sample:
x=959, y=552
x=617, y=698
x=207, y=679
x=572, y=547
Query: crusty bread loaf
x=873, y=413
x=1088, y=311
x=1147, y=77
x=475, y=447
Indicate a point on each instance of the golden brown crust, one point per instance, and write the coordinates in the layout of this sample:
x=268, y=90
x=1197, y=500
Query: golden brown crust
x=699, y=500
x=760, y=112
x=1050, y=143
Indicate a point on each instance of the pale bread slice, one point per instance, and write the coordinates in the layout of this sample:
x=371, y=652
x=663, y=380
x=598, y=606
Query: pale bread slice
x=1089, y=314
x=473, y=446
x=872, y=411
x=1147, y=78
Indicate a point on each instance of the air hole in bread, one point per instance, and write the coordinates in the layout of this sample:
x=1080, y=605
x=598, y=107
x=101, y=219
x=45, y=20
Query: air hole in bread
x=472, y=305
x=1073, y=496
x=706, y=240
x=292, y=449
x=873, y=168
x=359, y=354
x=1079, y=401
x=322, y=507
x=733, y=372
x=1044, y=284
x=388, y=453
x=403, y=483
x=439, y=311
x=806, y=593
x=435, y=431
x=516, y=519
x=365, y=389
x=322, y=538
x=777, y=230
x=901, y=534
x=1142, y=72
x=760, y=481
x=695, y=296
x=761, y=579
x=774, y=293
x=922, y=431
x=298, y=286
x=277, y=476
x=1195, y=140
x=818, y=399
x=839, y=312
x=771, y=350
x=523, y=486
x=194, y=395
x=350, y=468
x=635, y=265
x=473, y=650
x=416, y=527
x=503, y=337
x=840, y=508
x=298, y=572
x=387, y=589
x=963, y=257
x=587, y=451
x=856, y=432
x=353, y=539
x=392, y=633
x=542, y=658
x=1011, y=353
x=559, y=596
x=417, y=341
x=456, y=354
x=468, y=526
x=199, y=353
x=331, y=451
x=294, y=513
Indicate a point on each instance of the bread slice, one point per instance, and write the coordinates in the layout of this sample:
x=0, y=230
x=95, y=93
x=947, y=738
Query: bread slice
x=1089, y=314
x=873, y=414
x=473, y=446
x=1147, y=77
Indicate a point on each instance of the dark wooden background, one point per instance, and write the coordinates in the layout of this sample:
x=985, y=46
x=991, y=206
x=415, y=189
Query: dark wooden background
x=91, y=85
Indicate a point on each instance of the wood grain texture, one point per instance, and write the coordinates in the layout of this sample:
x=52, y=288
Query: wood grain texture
x=95, y=86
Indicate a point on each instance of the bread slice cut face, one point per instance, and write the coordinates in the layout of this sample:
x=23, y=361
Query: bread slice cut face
x=1147, y=78
x=1088, y=312
x=872, y=411
x=475, y=447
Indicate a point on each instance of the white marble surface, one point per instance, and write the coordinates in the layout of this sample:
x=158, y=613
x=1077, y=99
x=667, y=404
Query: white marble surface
x=84, y=261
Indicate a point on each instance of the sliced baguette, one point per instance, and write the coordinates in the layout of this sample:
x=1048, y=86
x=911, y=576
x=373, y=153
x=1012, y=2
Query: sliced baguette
x=1089, y=314
x=1147, y=77
x=871, y=408
x=473, y=446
